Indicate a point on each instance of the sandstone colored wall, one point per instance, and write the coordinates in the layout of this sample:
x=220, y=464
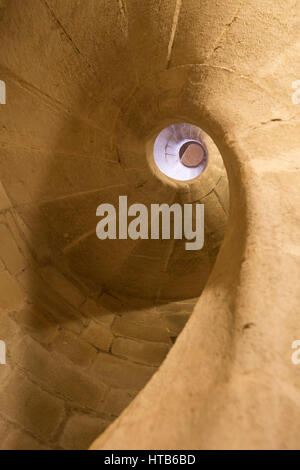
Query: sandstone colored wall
x=236, y=387
x=73, y=362
x=86, y=323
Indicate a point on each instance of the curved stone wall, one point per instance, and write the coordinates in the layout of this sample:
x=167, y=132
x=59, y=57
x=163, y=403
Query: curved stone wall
x=236, y=386
x=86, y=322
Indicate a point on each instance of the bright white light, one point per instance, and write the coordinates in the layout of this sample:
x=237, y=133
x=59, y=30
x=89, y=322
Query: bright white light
x=2, y=92
x=166, y=151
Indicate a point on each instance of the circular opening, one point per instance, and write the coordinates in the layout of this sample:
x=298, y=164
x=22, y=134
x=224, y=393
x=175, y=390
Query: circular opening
x=191, y=154
x=180, y=153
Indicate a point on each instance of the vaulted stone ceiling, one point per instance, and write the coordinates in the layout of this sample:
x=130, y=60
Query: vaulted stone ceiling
x=82, y=113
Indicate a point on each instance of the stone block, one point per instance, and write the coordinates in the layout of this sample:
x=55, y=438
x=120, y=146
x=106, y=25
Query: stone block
x=111, y=303
x=81, y=430
x=175, y=322
x=20, y=440
x=147, y=317
x=120, y=373
x=34, y=409
x=98, y=335
x=124, y=327
x=9, y=251
x=144, y=352
x=46, y=299
x=93, y=310
x=12, y=297
x=117, y=400
x=5, y=427
x=62, y=285
x=39, y=326
x=75, y=349
x=4, y=200
x=60, y=378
